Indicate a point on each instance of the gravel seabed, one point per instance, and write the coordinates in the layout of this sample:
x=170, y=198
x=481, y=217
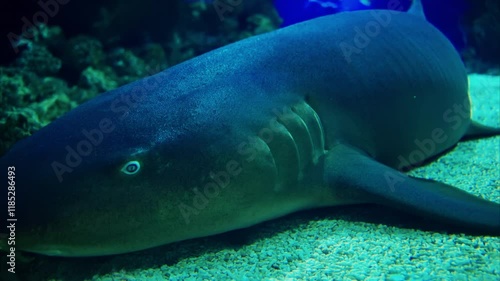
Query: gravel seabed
x=341, y=243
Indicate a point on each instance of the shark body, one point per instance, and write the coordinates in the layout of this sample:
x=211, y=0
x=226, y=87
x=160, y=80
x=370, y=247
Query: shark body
x=321, y=113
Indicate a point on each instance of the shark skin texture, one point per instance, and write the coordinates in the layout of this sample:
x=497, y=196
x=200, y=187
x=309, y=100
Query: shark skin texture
x=322, y=113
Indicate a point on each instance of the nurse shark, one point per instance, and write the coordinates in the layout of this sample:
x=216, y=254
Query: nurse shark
x=322, y=113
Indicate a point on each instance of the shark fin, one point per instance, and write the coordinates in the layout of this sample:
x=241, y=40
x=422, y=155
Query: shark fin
x=354, y=175
x=477, y=130
x=417, y=8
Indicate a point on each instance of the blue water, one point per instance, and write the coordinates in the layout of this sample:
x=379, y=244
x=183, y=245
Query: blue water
x=444, y=14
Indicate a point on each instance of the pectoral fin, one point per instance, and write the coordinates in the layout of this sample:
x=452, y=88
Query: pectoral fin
x=353, y=173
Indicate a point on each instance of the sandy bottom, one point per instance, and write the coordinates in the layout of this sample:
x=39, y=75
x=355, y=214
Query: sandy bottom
x=343, y=243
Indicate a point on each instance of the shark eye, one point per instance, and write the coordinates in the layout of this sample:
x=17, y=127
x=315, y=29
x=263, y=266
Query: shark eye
x=131, y=168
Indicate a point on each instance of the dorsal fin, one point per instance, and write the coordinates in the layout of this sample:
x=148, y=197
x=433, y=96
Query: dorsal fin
x=417, y=9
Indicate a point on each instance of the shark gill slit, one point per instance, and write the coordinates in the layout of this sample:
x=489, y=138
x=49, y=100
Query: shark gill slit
x=300, y=136
x=314, y=128
x=285, y=154
x=297, y=143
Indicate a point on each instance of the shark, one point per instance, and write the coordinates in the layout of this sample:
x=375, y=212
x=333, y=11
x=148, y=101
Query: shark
x=327, y=112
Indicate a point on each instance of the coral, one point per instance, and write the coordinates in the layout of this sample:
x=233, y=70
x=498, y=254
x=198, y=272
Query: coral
x=13, y=89
x=205, y=27
x=35, y=91
x=50, y=36
x=29, y=103
x=39, y=59
x=53, y=107
x=179, y=49
x=154, y=56
x=15, y=125
x=125, y=63
x=82, y=52
x=261, y=24
x=42, y=35
x=96, y=79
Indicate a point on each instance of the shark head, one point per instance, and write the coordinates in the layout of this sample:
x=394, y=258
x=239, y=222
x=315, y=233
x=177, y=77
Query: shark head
x=107, y=171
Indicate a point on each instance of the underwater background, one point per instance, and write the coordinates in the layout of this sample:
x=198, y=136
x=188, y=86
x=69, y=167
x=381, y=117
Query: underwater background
x=79, y=49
